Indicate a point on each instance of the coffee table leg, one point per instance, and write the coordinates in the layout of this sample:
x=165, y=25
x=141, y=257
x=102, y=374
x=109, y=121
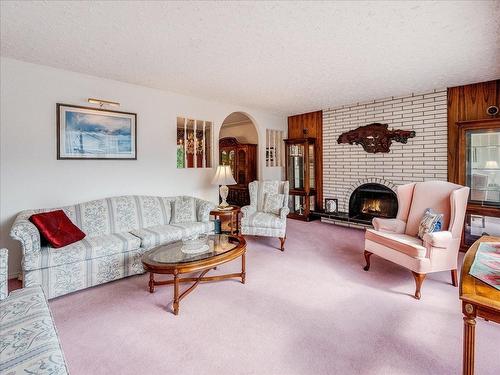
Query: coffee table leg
x=243, y=275
x=151, y=282
x=176, y=294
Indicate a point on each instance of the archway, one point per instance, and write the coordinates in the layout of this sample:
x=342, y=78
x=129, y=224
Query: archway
x=240, y=126
x=238, y=147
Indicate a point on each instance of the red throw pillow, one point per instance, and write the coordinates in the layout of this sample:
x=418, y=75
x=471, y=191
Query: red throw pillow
x=57, y=228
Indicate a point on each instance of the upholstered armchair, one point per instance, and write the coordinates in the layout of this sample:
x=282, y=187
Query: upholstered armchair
x=396, y=239
x=268, y=209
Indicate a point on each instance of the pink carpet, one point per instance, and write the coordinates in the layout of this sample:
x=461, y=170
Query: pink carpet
x=309, y=310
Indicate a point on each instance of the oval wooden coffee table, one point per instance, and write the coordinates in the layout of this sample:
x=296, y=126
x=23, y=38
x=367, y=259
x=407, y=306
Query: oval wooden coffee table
x=170, y=259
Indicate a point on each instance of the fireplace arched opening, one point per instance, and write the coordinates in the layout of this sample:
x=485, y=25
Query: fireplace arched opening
x=372, y=200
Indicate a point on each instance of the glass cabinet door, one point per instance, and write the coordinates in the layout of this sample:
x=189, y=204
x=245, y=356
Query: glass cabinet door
x=224, y=157
x=301, y=204
x=296, y=204
x=312, y=178
x=300, y=173
x=295, y=154
x=232, y=162
x=227, y=157
x=242, y=167
x=482, y=171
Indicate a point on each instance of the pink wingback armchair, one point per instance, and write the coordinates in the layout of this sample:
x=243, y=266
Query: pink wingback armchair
x=396, y=239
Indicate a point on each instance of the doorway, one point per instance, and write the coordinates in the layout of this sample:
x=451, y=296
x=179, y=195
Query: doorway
x=238, y=145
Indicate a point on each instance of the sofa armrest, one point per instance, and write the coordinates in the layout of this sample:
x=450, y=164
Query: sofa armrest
x=27, y=233
x=438, y=239
x=284, y=211
x=248, y=210
x=4, y=274
x=389, y=225
x=203, y=209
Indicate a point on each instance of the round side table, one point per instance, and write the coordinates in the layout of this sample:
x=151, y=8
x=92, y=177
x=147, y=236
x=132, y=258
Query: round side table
x=234, y=217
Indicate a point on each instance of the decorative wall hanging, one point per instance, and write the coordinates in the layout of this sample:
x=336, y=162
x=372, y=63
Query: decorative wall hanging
x=375, y=137
x=91, y=133
x=194, y=143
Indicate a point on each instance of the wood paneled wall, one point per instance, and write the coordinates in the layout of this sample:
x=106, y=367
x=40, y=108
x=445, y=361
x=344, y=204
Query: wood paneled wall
x=312, y=122
x=467, y=102
x=311, y=125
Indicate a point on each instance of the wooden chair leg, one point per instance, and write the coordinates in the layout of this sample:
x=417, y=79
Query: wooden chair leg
x=282, y=243
x=454, y=279
x=367, y=255
x=419, y=279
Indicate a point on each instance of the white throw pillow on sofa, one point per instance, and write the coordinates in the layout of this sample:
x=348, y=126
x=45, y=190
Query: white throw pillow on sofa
x=184, y=210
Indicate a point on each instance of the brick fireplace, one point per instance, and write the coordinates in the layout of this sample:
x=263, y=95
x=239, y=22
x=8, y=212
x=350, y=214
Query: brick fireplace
x=347, y=167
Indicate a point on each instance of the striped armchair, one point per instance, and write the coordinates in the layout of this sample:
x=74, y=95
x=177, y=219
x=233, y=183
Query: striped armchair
x=267, y=212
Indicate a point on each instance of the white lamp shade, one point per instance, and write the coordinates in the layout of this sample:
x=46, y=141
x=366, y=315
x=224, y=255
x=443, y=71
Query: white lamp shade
x=223, y=176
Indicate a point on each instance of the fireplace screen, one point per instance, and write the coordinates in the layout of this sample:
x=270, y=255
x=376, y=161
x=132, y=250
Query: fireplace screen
x=372, y=200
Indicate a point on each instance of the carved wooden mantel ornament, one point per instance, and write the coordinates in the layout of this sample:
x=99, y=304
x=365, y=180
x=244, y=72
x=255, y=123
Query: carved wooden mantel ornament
x=375, y=137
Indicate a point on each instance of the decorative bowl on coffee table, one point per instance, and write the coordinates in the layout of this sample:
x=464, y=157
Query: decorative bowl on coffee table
x=195, y=244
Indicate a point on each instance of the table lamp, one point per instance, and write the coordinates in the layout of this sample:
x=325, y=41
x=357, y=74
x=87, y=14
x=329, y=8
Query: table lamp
x=223, y=177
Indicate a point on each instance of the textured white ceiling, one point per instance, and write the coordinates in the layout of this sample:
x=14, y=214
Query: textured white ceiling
x=288, y=57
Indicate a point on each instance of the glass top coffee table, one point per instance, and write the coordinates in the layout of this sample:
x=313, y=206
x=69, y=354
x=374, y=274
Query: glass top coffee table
x=180, y=258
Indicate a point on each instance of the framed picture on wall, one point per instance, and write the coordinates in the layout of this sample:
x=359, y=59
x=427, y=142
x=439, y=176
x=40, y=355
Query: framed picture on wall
x=91, y=133
x=331, y=205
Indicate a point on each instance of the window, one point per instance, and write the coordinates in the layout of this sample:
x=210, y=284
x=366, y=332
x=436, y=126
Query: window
x=194, y=143
x=274, y=148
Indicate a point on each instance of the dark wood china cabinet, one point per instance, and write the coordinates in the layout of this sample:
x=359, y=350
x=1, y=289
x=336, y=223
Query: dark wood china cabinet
x=300, y=169
x=242, y=157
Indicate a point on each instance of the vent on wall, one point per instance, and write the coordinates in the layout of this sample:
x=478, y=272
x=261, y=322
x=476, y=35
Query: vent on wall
x=274, y=148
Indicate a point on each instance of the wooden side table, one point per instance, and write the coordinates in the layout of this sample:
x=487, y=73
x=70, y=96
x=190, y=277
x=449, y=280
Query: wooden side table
x=478, y=300
x=234, y=217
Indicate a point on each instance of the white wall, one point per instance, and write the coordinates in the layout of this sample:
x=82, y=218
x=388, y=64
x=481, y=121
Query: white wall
x=31, y=177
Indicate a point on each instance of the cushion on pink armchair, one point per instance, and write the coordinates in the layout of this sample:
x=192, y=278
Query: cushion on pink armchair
x=409, y=245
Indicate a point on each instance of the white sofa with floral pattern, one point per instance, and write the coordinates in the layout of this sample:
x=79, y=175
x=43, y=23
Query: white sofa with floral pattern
x=118, y=231
x=28, y=338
